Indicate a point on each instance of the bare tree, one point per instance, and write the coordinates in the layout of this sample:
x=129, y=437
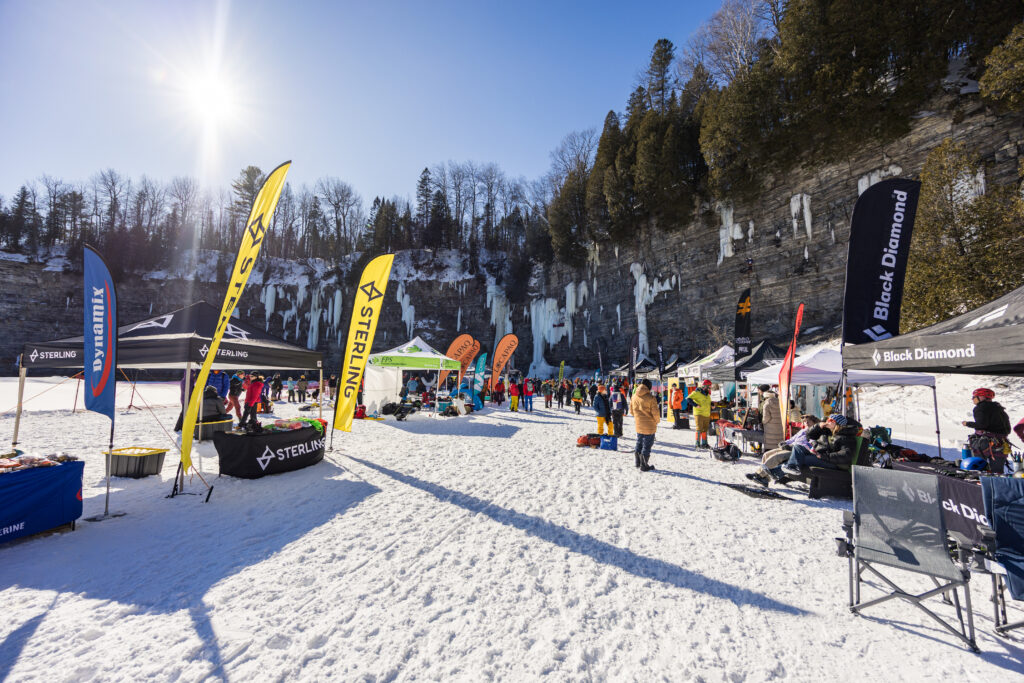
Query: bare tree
x=342, y=200
x=727, y=43
x=184, y=191
x=575, y=153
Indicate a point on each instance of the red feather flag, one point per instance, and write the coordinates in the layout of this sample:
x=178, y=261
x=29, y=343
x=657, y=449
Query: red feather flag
x=786, y=373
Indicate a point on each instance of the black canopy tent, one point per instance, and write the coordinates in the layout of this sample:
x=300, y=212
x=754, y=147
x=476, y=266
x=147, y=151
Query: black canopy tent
x=175, y=340
x=986, y=341
x=757, y=358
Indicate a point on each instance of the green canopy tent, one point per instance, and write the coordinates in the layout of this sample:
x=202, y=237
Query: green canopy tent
x=383, y=378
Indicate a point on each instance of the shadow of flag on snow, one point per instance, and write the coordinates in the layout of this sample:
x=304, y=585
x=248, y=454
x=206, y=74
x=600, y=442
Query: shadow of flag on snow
x=605, y=553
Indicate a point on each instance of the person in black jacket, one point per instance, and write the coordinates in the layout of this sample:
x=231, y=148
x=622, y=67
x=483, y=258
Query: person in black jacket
x=989, y=416
x=836, y=446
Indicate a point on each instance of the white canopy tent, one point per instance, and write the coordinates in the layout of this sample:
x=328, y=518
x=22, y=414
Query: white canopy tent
x=383, y=376
x=697, y=368
x=825, y=367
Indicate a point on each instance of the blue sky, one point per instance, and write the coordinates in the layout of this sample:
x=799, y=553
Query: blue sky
x=370, y=92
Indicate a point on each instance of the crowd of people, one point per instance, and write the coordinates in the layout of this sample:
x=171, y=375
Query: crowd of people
x=248, y=393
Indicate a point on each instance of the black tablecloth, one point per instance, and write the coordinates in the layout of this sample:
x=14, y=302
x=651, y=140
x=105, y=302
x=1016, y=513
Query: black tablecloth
x=962, y=506
x=251, y=456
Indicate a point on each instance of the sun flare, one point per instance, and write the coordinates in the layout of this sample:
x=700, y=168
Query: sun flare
x=210, y=99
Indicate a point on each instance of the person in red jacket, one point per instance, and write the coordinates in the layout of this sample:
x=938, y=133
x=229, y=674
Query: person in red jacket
x=252, y=400
x=513, y=400
x=528, y=394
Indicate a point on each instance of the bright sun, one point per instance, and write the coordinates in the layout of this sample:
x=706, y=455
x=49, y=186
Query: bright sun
x=211, y=99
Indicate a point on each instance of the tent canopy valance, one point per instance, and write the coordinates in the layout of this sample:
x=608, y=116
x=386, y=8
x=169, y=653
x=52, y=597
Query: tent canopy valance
x=825, y=366
x=758, y=358
x=697, y=368
x=986, y=341
x=415, y=354
x=171, y=340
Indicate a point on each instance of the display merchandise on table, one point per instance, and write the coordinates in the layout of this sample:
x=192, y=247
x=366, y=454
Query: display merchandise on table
x=38, y=493
x=278, y=446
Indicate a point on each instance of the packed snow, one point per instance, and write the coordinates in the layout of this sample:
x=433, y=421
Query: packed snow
x=476, y=548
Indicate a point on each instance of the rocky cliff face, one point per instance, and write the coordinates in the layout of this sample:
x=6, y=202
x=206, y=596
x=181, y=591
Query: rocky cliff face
x=676, y=287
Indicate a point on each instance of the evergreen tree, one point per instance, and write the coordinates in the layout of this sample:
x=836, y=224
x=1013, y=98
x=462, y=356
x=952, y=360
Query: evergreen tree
x=604, y=163
x=966, y=248
x=423, y=198
x=659, y=82
x=1003, y=82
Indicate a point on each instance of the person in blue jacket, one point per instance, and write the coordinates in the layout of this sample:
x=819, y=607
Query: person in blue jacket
x=603, y=408
x=221, y=382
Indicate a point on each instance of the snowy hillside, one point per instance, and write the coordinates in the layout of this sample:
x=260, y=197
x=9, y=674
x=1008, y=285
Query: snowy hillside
x=478, y=548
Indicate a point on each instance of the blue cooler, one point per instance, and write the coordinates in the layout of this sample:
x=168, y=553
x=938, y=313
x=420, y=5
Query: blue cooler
x=609, y=443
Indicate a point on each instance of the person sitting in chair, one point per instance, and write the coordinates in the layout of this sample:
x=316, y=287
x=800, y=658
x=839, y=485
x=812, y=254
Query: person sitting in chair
x=213, y=406
x=771, y=463
x=836, y=448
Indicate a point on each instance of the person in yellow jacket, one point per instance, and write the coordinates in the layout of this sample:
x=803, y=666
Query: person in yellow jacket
x=701, y=399
x=646, y=415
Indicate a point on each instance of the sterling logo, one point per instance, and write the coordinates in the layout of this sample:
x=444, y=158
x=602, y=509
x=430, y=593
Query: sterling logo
x=51, y=355
x=230, y=353
x=878, y=333
x=161, y=322
x=265, y=459
x=288, y=452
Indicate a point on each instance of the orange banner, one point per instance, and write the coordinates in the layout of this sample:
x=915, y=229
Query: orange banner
x=468, y=360
x=502, y=353
x=459, y=350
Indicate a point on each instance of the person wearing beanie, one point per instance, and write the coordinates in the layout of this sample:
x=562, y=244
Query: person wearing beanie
x=838, y=446
x=700, y=398
x=645, y=417
x=603, y=408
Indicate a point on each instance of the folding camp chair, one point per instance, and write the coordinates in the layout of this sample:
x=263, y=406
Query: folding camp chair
x=1004, y=508
x=897, y=522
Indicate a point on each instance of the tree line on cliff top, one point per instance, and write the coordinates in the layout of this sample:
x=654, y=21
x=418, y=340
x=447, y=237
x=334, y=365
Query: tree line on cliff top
x=761, y=87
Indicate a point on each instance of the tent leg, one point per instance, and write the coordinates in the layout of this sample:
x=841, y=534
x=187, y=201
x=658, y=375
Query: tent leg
x=74, y=406
x=21, y=396
x=938, y=436
x=320, y=403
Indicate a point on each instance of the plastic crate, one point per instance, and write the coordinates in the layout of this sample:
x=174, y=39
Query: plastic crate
x=136, y=462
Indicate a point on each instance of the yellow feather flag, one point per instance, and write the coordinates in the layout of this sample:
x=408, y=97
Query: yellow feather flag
x=252, y=239
x=365, y=315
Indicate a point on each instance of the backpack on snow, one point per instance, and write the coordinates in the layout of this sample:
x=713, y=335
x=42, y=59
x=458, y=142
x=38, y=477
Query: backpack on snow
x=728, y=453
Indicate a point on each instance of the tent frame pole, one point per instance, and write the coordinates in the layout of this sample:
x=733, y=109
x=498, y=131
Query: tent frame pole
x=938, y=435
x=22, y=370
x=320, y=386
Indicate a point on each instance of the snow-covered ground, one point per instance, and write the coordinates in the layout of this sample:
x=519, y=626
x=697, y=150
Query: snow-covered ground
x=486, y=547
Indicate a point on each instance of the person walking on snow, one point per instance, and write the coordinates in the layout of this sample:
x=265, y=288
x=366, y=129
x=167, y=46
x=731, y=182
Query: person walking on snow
x=645, y=417
x=548, y=392
x=577, y=398
x=603, y=408
x=513, y=397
